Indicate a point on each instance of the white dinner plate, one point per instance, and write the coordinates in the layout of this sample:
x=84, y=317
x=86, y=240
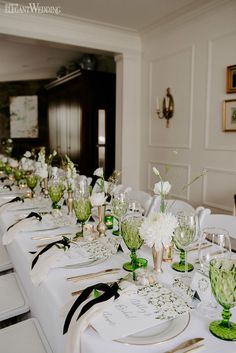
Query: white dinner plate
x=160, y=333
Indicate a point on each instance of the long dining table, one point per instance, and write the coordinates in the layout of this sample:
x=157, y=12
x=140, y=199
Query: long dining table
x=51, y=299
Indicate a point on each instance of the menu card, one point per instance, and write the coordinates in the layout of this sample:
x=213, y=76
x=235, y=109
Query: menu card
x=132, y=313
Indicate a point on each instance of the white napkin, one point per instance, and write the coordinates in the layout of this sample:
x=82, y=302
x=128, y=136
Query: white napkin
x=73, y=343
x=76, y=329
x=9, y=235
x=45, y=262
x=9, y=205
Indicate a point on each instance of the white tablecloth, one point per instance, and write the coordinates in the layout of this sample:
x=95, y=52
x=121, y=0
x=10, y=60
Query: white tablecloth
x=48, y=300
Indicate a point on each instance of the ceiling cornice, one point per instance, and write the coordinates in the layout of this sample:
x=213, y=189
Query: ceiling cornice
x=186, y=14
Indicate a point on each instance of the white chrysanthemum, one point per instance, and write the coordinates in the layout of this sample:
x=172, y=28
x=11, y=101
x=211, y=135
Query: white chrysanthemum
x=157, y=229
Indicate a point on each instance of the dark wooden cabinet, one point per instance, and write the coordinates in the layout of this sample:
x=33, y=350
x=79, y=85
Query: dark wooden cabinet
x=76, y=103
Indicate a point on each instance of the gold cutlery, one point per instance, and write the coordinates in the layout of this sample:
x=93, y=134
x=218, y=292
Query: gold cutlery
x=52, y=237
x=204, y=246
x=187, y=346
x=93, y=275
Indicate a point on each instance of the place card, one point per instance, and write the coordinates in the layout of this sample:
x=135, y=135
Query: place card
x=201, y=284
x=132, y=313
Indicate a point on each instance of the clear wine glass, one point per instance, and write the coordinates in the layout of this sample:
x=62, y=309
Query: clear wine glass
x=184, y=236
x=135, y=207
x=120, y=207
x=214, y=244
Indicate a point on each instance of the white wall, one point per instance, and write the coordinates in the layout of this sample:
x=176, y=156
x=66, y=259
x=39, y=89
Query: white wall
x=191, y=59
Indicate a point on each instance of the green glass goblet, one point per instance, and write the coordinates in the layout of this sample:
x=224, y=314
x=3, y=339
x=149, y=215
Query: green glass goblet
x=56, y=191
x=18, y=175
x=130, y=228
x=184, y=235
x=32, y=181
x=2, y=166
x=222, y=274
x=82, y=208
x=8, y=169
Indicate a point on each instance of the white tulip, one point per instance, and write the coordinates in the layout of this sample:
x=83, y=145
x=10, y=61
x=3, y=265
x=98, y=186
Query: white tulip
x=162, y=188
x=156, y=171
x=98, y=172
x=98, y=199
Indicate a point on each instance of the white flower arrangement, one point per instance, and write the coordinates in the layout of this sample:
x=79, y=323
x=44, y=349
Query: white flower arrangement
x=109, y=186
x=13, y=162
x=161, y=188
x=98, y=199
x=70, y=174
x=41, y=167
x=26, y=163
x=157, y=229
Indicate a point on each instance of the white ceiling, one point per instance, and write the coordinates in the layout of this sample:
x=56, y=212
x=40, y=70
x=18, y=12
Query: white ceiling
x=129, y=14
x=23, y=58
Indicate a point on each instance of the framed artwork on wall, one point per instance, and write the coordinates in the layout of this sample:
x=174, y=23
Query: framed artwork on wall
x=24, y=117
x=229, y=115
x=231, y=79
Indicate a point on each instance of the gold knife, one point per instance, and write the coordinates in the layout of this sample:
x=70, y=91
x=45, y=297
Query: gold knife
x=93, y=275
x=186, y=346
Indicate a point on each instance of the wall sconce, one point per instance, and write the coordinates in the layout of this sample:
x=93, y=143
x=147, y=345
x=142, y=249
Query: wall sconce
x=167, y=107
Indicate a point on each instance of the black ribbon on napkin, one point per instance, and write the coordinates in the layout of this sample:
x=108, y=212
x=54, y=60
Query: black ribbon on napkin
x=65, y=242
x=16, y=199
x=30, y=215
x=109, y=292
x=7, y=187
x=3, y=179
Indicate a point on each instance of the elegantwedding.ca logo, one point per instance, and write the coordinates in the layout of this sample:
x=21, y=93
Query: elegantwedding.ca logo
x=31, y=7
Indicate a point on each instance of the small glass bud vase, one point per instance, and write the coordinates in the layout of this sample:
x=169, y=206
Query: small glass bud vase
x=101, y=227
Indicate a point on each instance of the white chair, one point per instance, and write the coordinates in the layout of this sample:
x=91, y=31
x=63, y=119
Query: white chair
x=224, y=221
x=175, y=206
x=5, y=262
x=172, y=206
x=24, y=337
x=13, y=301
x=142, y=197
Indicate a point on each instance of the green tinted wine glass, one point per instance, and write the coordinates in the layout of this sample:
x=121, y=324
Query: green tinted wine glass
x=56, y=191
x=82, y=208
x=130, y=229
x=183, y=236
x=222, y=274
x=32, y=181
x=18, y=175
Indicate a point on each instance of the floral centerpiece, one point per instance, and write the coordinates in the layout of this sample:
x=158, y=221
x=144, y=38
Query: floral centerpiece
x=101, y=193
x=158, y=228
x=70, y=181
x=27, y=162
x=41, y=167
x=70, y=174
